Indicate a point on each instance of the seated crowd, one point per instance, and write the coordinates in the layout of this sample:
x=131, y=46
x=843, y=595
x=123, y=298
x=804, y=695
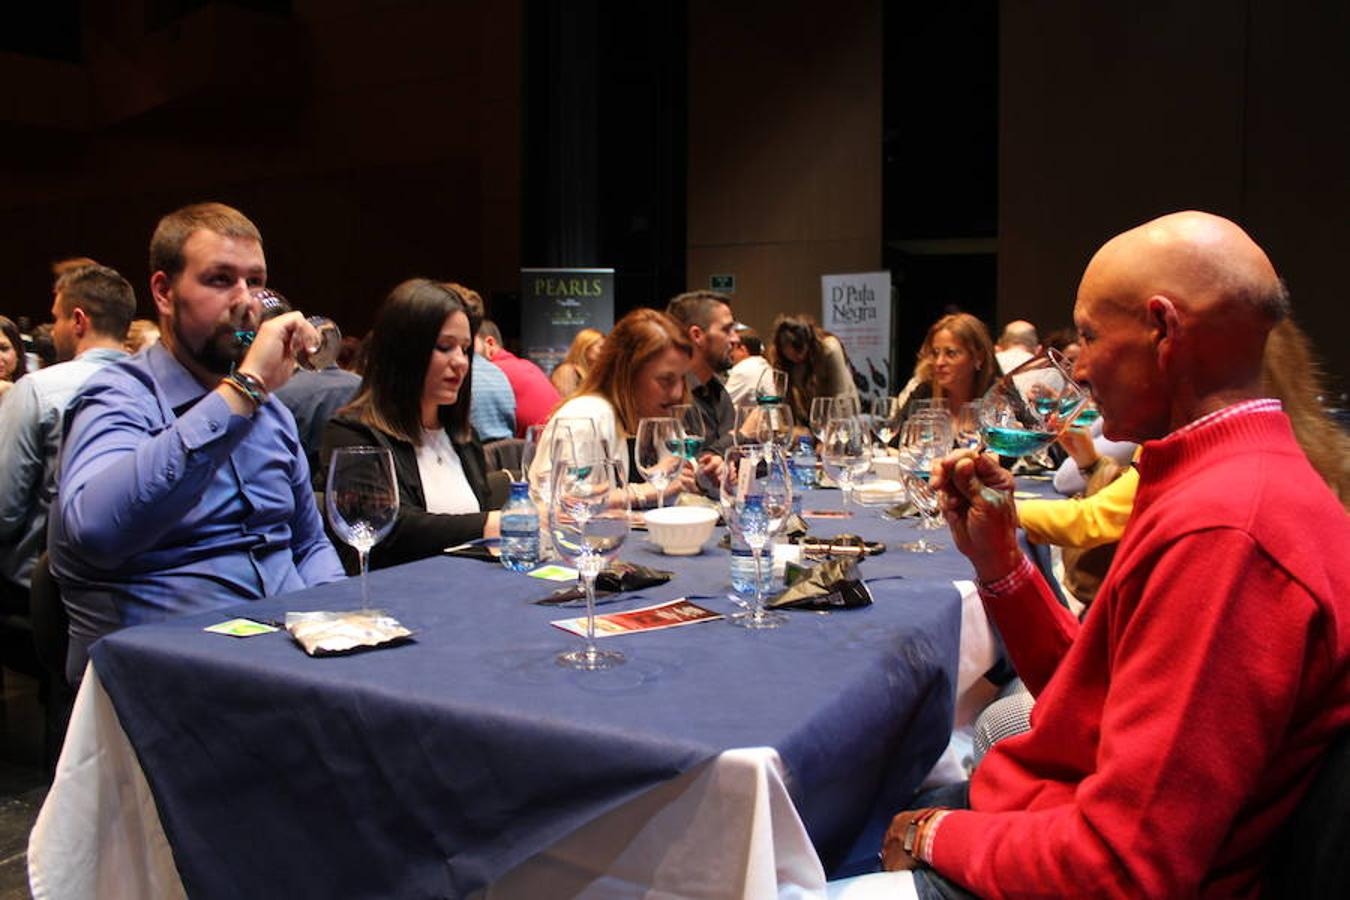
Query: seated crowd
x=1169, y=714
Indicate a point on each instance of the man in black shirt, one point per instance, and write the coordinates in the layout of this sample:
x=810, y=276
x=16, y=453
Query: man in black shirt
x=707, y=320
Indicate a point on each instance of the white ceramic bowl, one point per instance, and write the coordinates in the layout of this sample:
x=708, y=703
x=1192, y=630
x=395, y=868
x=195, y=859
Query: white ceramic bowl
x=879, y=492
x=681, y=530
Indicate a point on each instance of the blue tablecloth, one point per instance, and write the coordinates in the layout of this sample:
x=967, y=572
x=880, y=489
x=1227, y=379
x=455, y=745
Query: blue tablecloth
x=432, y=768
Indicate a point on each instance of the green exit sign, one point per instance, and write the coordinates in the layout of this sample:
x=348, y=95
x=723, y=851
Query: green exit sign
x=726, y=284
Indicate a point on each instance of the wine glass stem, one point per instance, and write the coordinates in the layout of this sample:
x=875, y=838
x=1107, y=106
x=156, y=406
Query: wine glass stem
x=588, y=579
x=660, y=495
x=363, y=558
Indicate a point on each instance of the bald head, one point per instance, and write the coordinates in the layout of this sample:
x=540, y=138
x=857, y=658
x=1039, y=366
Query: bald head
x=1019, y=333
x=1197, y=296
x=1196, y=259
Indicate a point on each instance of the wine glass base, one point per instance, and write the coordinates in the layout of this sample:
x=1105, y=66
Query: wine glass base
x=591, y=659
x=922, y=546
x=757, y=618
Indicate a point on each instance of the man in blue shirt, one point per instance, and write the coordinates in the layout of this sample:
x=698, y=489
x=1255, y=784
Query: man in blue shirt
x=492, y=408
x=183, y=483
x=92, y=308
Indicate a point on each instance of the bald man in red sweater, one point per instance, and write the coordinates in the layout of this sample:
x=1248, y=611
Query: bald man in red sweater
x=1178, y=726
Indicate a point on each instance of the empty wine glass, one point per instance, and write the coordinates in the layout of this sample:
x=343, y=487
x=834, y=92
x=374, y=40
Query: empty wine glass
x=822, y=408
x=885, y=419
x=772, y=386
x=845, y=452
x=588, y=523
x=967, y=426
x=927, y=437
x=760, y=491
x=658, y=453
x=362, y=501
x=921, y=494
x=1027, y=409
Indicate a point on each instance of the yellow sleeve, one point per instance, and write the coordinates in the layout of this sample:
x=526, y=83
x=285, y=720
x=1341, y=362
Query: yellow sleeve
x=1083, y=523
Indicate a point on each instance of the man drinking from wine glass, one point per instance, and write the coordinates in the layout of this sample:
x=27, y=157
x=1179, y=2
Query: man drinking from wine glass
x=184, y=485
x=1176, y=729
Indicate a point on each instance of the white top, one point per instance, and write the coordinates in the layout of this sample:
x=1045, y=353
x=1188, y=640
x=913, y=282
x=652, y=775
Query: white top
x=444, y=484
x=744, y=378
x=583, y=406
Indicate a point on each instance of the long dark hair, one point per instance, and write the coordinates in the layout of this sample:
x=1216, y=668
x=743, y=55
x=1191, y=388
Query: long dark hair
x=16, y=340
x=405, y=332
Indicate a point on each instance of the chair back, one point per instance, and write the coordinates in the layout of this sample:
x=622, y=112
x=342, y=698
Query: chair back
x=1309, y=857
x=51, y=634
x=506, y=453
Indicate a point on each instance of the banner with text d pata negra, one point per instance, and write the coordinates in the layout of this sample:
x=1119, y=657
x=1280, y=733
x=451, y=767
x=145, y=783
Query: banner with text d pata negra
x=556, y=304
x=856, y=308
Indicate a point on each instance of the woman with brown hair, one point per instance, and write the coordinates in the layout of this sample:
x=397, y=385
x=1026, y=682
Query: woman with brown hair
x=414, y=400
x=955, y=364
x=581, y=358
x=639, y=374
x=13, y=362
x=815, y=361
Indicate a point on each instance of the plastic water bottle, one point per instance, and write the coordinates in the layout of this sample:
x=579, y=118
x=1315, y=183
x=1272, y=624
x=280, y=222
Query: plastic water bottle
x=804, y=465
x=743, y=559
x=520, y=530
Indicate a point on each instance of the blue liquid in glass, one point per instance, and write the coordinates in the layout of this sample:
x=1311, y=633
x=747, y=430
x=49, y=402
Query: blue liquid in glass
x=1016, y=441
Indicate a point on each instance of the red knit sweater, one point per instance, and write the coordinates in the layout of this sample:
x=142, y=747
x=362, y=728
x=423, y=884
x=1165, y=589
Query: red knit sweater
x=1178, y=727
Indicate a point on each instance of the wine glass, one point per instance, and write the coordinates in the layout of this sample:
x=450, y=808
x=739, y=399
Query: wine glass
x=967, y=426
x=693, y=429
x=885, y=419
x=1088, y=415
x=1027, y=409
x=588, y=522
x=926, y=438
x=915, y=478
x=821, y=410
x=757, y=498
x=362, y=501
x=845, y=405
x=658, y=452
x=845, y=452
x=772, y=386
x=774, y=425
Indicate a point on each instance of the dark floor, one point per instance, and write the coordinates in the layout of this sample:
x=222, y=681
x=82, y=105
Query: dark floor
x=23, y=783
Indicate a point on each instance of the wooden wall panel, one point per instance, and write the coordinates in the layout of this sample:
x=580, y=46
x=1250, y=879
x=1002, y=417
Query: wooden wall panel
x=1111, y=115
x=784, y=149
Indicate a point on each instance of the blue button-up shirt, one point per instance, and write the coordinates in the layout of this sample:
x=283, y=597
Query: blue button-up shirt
x=169, y=504
x=492, y=408
x=30, y=438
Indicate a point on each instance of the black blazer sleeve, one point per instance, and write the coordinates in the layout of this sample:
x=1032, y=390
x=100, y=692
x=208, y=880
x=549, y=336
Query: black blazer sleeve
x=417, y=534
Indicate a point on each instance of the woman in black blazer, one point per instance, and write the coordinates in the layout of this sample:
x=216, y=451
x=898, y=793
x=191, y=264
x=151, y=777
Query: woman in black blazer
x=414, y=400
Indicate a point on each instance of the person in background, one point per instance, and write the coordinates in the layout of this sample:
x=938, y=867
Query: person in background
x=815, y=361
x=350, y=354
x=415, y=399
x=493, y=414
x=581, y=356
x=535, y=395
x=1065, y=340
x=748, y=365
x=1017, y=344
x=955, y=364
x=183, y=484
x=711, y=328
x=92, y=308
x=1221, y=633
x=13, y=362
x=141, y=334
x=640, y=374
x=312, y=397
